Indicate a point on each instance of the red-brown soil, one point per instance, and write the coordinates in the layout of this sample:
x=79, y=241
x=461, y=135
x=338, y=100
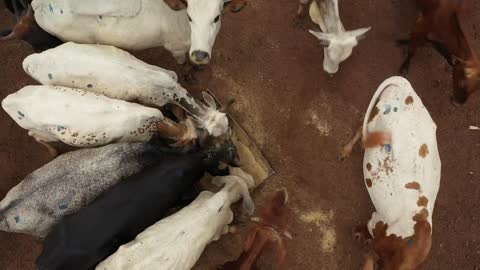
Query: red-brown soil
x=299, y=116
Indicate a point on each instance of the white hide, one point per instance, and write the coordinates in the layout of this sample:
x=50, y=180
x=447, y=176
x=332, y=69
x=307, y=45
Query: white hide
x=105, y=70
x=133, y=24
x=117, y=74
x=391, y=167
x=176, y=242
x=79, y=118
x=338, y=42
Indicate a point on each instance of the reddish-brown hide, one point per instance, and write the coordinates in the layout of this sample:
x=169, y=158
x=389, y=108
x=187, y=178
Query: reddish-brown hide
x=26, y=28
x=23, y=26
x=270, y=228
x=439, y=24
x=396, y=253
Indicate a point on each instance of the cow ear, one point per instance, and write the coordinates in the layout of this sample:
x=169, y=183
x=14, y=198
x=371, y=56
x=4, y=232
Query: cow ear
x=235, y=5
x=323, y=37
x=176, y=4
x=209, y=100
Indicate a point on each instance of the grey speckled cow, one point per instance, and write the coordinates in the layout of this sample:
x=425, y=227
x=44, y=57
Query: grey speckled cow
x=69, y=183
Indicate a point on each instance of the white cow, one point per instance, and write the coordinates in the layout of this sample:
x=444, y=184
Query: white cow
x=177, y=241
x=338, y=43
x=85, y=119
x=136, y=24
x=117, y=74
x=402, y=171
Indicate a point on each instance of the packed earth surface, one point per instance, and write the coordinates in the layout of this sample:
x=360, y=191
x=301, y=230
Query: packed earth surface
x=299, y=117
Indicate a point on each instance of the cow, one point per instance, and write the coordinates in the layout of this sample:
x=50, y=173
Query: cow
x=84, y=119
x=402, y=170
x=176, y=242
x=338, y=43
x=69, y=182
x=269, y=228
x=439, y=24
x=84, y=239
x=115, y=73
x=180, y=26
x=26, y=28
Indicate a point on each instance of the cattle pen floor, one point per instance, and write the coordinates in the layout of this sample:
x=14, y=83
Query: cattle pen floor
x=299, y=117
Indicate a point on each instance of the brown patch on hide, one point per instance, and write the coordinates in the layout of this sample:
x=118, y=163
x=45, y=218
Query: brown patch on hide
x=423, y=151
x=368, y=181
x=369, y=166
x=409, y=100
x=374, y=113
x=413, y=185
x=422, y=201
x=421, y=216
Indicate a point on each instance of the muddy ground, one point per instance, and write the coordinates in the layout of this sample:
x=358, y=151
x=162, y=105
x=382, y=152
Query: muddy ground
x=299, y=117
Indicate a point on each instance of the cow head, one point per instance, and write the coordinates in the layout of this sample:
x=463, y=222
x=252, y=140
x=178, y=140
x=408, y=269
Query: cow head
x=466, y=79
x=393, y=252
x=218, y=157
x=212, y=118
x=204, y=17
x=338, y=46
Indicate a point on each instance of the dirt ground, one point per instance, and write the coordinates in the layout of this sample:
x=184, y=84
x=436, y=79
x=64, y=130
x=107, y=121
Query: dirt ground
x=299, y=116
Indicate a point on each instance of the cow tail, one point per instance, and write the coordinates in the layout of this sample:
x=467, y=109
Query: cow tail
x=395, y=80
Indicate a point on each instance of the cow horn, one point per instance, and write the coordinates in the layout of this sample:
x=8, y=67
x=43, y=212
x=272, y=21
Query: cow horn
x=170, y=129
x=10, y=36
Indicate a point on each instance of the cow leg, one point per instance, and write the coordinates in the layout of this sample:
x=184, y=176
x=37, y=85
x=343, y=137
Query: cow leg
x=347, y=149
x=418, y=38
x=369, y=263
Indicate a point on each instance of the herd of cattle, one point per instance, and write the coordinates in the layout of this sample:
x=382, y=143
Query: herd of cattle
x=103, y=206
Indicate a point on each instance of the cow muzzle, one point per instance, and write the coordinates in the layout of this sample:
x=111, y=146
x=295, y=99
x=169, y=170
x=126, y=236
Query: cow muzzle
x=200, y=57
